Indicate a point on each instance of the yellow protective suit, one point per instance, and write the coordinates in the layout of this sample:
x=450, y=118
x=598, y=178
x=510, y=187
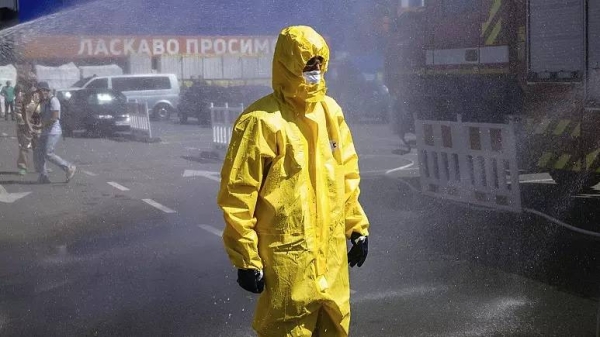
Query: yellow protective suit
x=289, y=193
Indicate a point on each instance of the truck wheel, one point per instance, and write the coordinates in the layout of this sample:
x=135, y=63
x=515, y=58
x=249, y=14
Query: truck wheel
x=162, y=112
x=183, y=118
x=575, y=181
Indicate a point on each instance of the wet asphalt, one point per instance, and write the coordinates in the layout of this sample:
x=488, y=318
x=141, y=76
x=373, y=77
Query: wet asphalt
x=131, y=247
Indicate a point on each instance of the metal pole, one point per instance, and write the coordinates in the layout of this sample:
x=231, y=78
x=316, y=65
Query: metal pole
x=182, y=76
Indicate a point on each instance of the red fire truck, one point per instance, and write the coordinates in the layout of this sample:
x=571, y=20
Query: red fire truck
x=504, y=80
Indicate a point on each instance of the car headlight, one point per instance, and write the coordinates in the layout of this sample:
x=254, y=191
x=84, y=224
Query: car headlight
x=68, y=95
x=105, y=117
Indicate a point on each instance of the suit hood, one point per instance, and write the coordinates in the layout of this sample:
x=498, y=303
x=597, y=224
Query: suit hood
x=295, y=46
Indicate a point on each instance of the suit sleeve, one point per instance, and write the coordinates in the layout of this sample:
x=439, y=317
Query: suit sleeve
x=248, y=155
x=356, y=219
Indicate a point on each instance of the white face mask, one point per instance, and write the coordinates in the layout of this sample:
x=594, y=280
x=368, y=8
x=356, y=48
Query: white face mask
x=312, y=77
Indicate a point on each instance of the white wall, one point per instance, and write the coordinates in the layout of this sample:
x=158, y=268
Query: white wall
x=140, y=64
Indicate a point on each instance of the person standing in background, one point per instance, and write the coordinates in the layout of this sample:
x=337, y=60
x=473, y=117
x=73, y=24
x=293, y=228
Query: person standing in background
x=27, y=108
x=51, y=133
x=8, y=92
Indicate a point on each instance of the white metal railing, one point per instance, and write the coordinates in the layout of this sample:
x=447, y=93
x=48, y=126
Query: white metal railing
x=139, y=119
x=222, y=119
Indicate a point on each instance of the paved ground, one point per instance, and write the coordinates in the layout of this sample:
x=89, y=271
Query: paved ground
x=131, y=247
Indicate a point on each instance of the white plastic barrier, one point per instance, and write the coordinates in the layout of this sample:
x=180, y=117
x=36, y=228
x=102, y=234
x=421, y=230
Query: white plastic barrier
x=222, y=119
x=474, y=163
x=140, y=120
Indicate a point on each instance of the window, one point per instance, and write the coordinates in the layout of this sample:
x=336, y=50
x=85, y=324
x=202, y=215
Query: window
x=556, y=35
x=81, y=82
x=141, y=83
x=100, y=83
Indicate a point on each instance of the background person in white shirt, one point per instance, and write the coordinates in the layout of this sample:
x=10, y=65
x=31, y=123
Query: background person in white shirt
x=51, y=133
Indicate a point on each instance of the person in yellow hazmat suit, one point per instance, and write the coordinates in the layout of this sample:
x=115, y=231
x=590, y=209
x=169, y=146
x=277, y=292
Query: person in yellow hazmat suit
x=289, y=193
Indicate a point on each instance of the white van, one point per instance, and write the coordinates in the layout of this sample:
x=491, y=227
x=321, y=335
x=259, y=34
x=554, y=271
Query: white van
x=160, y=91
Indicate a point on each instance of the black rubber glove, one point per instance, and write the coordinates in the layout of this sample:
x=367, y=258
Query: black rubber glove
x=251, y=280
x=360, y=248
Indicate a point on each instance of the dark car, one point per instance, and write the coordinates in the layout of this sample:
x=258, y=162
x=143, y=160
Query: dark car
x=195, y=101
x=95, y=111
